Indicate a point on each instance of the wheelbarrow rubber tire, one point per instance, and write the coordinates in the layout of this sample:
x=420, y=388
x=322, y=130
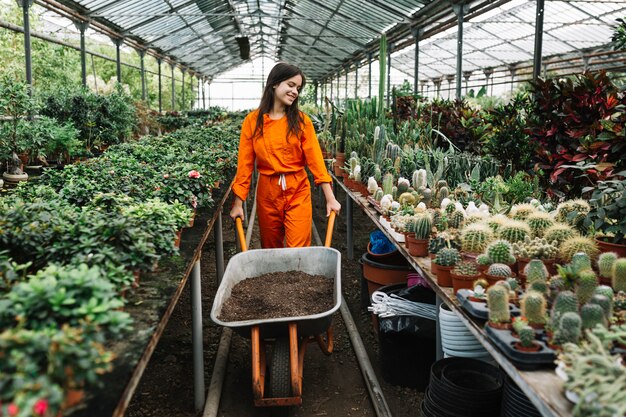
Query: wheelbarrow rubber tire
x=280, y=374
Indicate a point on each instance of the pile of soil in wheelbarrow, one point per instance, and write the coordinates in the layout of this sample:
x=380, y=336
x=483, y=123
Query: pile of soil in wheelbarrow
x=278, y=294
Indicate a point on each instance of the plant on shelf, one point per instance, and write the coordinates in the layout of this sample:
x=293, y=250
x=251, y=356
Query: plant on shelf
x=538, y=222
x=559, y=232
x=464, y=274
x=607, y=216
x=446, y=259
x=591, y=315
x=578, y=244
x=533, y=306
x=536, y=248
x=475, y=238
x=605, y=264
x=569, y=329
x=526, y=343
x=501, y=252
x=514, y=231
x=498, y=303
x=619, y=275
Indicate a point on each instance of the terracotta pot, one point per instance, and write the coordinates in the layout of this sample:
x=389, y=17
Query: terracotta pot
x=463, y=281
x=499, y=326
x=537, y=326
x=177, y=241
x=417, y=247
x=340, y=159
x=192, y=219
x=137, y=275
x=482, y=268
x=443, y=276
x=379, y=272
x=521, y=264
x=611, y=247
x=534, y=348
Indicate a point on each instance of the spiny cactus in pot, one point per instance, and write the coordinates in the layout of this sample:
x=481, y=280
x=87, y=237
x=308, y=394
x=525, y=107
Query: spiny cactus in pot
x=538, y=286
x=522, y=211
x=538, y=222
x=378, y=194
x=537, y=247
x=387, y=183
x=559, y=232
x=501, y=252
x=499, y=270
x=618, y=275
x=535, y=270
x=527, y=342
x=580, y=262
x=495, y=222
x=475, y=238
x=419, y=179
x=534, y=306
x=577, y=244
x=592, y=315
x=586, y=285
x=564, y=302
x=403, y=185
x=605, y=263
x=463, y=275
x=573, y=212
x=514, y=231
x=605, y=303
x=605, y=290
x=446, y=259
x=498, y=303
x=569, y=329
x=423, y=226
x=456, y=219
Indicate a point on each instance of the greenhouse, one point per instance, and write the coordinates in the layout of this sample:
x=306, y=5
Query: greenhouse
x=313, y=208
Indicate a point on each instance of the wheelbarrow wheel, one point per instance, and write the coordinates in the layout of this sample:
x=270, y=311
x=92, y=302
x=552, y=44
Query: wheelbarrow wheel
x=280, y=374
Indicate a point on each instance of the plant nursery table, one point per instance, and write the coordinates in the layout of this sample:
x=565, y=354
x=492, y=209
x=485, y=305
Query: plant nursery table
x=150, y=306
x=543, y=387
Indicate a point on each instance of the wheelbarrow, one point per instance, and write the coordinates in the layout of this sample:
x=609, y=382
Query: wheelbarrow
x=277, y=372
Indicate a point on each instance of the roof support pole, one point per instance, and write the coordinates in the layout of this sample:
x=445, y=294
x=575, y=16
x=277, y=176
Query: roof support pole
x=356, y=81
x=118, y=58
x=315, y=93
x=369, y=75
x=25, y=5
x=417, y=32
x=389, y=49
x=209, y=92
x=82, y=27
x=172, y=65
x=142, y=65
x=183, y=83
x=331, y=89
x=488, y=73
x=450, y=78
x=160, y=87
x=346, y=86
x=513, y=71
x=538, y=39
x=203, y=79
x=466, y=77
x=460, y=10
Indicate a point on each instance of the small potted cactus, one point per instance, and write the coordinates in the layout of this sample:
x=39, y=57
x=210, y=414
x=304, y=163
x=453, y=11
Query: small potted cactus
x=422, y=226
x=474, y=239
x=498, y=303
x=497, y=272
x=619, y=275
x=526, y=342
x=533, y=305
x=605, y=266
x=463, y=275
x=537, y=248
x=446, y=259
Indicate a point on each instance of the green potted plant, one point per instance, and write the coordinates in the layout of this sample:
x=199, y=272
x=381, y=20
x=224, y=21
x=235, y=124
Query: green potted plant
x=463, y=275
x=446, y=259
x=607, y=216
x=15, y=104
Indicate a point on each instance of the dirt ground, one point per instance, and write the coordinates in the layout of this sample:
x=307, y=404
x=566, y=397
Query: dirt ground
x=332, y=385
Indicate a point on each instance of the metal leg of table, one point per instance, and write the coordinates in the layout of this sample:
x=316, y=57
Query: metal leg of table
x=196, y=334
x=219, y=248
x=349, y=243
x=439, y=350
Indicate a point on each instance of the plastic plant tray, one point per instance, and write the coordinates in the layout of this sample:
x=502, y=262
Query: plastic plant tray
x=544, y=357
x=478, y=309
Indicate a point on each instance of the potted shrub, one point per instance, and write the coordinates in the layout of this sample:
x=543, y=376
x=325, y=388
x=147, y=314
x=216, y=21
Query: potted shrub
x=607, y=216
x=446, y=259
x=463, y=275
x=16, y=104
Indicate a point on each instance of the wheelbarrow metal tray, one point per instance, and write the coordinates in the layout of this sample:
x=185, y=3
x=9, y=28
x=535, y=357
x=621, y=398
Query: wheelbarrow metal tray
x=253, y=263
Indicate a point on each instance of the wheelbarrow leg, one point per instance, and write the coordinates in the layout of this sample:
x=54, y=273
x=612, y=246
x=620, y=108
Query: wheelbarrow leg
x=294, y=361
x=258, y=364
x=326, y=345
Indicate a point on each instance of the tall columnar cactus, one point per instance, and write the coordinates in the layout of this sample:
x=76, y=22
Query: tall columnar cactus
x=498, y=303
x=378, y=175
x=586, y=285
x=500, y=251
x=618, y=275
x=447, y=257
x=394, y=193
x=378, y=195
x=514, y=231
x=591, y=315
x=534, y=307
x=442, y=192
x=577, y=244
x=535, y=270
x=538, y=286
x=605, y=303
x=423, y=226
x=522, y=211
x=570, y=328
x=499, y=270
x=538, y=222
x=526, y=336
x=565, y=302
x=559, y=232
x=456, y=219
x=419, y=179
x=476, y=237
x=605, y=263
x=387, y=183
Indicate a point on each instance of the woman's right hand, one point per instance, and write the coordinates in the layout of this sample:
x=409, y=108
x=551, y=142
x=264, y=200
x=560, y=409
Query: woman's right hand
x=237, y=210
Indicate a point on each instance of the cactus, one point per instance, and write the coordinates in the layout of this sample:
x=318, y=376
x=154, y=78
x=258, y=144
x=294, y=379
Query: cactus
x=565, y=302
x=605, y=290
x=427, y=195
x=577, y=244
x=526, y=336
x=436, y=244
x=500, y=251
x=423, y=226
x=419, y=179
x=533, y=306
x=475, y=238
x=457, y=218
x=580, y=262
x=498, y=303
x=535, y=270
x=513, y=283
x=499, y=270
x=586, y=285
x=618, y=275
x=442, y=193
x=591, y=315
x=406, y=199
x=394, y=193
x=538, y=222
x=557, y=284
x=378, y=175
x=483, y=259
x=538, y=286
x=569, y=329
x=378, y=195
x=559, y=232
x=447, y=257
x=538, y=248
x=496, y=222
x=522, y=211
x=465, y=268
x=605, y=263
x=573, y=212
x=403, y=185
x=387, y=183
x=605, y=303
x=514, y=231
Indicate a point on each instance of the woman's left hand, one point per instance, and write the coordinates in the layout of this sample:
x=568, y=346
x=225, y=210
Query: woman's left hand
x=332, y=205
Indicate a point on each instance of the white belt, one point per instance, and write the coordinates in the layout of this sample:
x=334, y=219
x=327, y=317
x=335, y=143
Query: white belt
x=282, y=181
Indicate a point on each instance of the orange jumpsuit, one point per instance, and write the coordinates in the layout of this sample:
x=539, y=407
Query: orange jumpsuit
x=284, y=205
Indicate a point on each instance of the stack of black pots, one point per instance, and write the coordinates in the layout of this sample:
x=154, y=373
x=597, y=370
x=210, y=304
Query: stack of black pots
x=515, y=403
x=463, y=387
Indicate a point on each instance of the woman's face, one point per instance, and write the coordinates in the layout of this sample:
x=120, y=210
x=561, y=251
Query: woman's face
x=287, y=91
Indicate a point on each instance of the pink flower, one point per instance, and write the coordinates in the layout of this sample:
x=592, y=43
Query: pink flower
x=12, y=410
x=111, y=172
x=194, y=202
x=166, y=176
x=194, y=174
x=40, y=407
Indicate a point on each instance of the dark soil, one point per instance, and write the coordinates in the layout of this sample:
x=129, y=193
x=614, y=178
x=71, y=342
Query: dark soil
x=332, y=385
x=278, y=294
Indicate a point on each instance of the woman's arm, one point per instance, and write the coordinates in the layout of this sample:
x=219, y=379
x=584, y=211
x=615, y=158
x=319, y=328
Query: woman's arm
x=331, y=202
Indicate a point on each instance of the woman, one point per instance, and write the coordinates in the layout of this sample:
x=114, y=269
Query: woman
x=282, y=140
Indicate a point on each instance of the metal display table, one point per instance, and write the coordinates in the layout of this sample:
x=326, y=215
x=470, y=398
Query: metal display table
x=543, y=387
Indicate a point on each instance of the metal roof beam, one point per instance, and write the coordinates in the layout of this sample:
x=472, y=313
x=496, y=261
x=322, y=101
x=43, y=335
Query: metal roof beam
x=336, y=12
x=155, y=18
x=107, y=6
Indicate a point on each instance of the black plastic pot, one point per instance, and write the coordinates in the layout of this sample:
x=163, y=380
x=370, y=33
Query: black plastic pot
x=515, y=403
x=544, y=357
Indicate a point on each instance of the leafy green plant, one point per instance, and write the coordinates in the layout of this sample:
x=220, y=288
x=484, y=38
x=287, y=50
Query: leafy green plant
x=608, y=209
x=16, y=104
